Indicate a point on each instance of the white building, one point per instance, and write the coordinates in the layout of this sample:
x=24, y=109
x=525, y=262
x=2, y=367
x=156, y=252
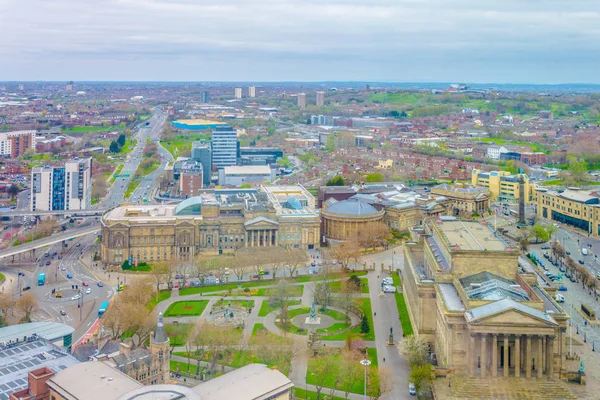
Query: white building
x=250, y=174
x=13, y=144
x=494, y=151
x=302, y=100
x=320, y=99
x=238, y=92
x=251, y=91
x=62, y=188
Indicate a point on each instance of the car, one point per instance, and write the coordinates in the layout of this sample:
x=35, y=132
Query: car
x=562, y=269
x=63, y=268
x=100, y=284
x=78, y=244
x=69, y=276
x=26, y=288
x=545, y=247
x=557, y=225
x=568, y=253
x=562, y=288
x=572, y=278
x=387, y=281
x=580, y=262
x=84, y=284
x=412, y=390
x=48, y=262
x=389, y=289
x=76, y=297
x=88, y=291
x=63, y=312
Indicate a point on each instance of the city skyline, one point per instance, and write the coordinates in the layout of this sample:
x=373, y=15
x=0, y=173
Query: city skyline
x=342, y=40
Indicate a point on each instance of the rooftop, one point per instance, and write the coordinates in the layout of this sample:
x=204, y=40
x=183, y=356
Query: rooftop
x=199, y=121
x=580, y=196
x=471, y=236
x=352, y=207
x=487, y=286
x=46, y=330
x=248, y=170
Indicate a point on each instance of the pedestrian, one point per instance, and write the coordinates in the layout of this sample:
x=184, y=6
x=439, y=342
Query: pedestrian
x=383, y=359
x=375, y=314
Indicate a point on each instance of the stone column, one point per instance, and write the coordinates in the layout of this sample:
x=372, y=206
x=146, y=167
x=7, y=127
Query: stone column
x=540, y=357
x=276, y=238
x=505, y=365
x=450, y=347
x=528, y=357
x=483, y=354
x=517, y=356
x=550, y=356
x=494, y=355
x=472, y=356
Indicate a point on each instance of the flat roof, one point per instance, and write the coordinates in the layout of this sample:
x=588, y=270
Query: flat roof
x=94, y=380
x=580, y=196
x=46, y=330
x=248, y=170
x=199, y=121
x=471, y=236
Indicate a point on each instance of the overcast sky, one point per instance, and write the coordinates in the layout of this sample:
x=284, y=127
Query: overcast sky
x=503, y=41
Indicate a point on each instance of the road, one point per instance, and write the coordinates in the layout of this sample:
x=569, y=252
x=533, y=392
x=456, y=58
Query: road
x=134, y=158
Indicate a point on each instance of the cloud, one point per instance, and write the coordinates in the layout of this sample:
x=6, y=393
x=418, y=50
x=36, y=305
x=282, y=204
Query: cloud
x=511, y=40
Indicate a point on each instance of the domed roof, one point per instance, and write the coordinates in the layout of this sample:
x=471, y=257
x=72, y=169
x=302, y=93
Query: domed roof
x=351, y=207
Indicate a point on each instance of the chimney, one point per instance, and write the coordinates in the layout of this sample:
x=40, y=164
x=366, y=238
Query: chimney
x=102, y=339
x=125, y=348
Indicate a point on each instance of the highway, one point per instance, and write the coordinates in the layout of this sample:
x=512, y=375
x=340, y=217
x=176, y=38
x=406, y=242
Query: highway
x=17, y=213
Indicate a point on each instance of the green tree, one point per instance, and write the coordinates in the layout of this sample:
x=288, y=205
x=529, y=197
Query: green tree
x=422, y=376
x=330, y=142
x=270, y=130
x=13, y=190
x=114, y=147
x=551, y=230
x=374, y=177
x=364, y=325
x=539, y=233
x=577, y=167
x=337, y=180
x=121, y=140
x=415, y=348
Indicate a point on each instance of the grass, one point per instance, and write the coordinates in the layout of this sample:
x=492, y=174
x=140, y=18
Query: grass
x=293, y=313
x=128, y=146
x=336, y=286
x=85, y=129
x=219, y=288
x=2, y=277
x=266, y=308
x=338, y=326
x=308, y=395
x=396, y=280
x=245, y=304
x=133, y=184
x=182, y=367
x=182, y=143
x=260, y=335
x=178, y=333
x=365, y=306
x=535, y=147
x=339, y=275
x=293, y=291
x=337, y=315
x=358, y=386
x=186, y=308
x=162, y=296
x=407, y=329
x=117, y=172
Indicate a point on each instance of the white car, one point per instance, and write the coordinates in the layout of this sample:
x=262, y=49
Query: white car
x=76, y=297
x=388, y=281
x=389, y=289
x=63, y=268
x=88, y=291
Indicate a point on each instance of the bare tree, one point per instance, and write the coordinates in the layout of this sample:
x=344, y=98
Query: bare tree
x=6, y=304
x=99, y=186
x=295, y=259
x=26, y=305
x=351, y=371
x=325, y=366
x=160, y=274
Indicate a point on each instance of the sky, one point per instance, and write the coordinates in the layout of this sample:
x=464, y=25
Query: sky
x=499, y=41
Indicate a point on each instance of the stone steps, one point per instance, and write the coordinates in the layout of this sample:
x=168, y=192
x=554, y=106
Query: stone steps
x=510, y=389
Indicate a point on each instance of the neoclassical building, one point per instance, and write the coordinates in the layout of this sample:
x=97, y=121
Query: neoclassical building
x=341, y=220
x=462, y=200
x=218, y=221
x=479, y=305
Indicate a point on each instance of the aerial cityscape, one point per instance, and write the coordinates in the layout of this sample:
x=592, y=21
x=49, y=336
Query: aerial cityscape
x=368, y=201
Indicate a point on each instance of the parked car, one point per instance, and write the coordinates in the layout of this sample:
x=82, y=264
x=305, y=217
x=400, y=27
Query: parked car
x=412, y=390
x=545, y=247
x=388, y=281
x=389, y=289
x=580, y=262
x=562, y=269
x=572, y=279
x=568, y=253
x=100, y=284
x=69, y=276
x=84, y=284
x=562, y=288
x=48, y=262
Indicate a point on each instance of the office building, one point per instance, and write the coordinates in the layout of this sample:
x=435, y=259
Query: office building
x=190, y=179
x=575, y=207
x=201, y=152
x=238, y=92
x=14, y=144
x=62, y=188
x=259, y=155
x=478, y=304
x=302, y=100
x=217, y=221
x=205, y=97
x=251, y=91
x=320, y=99
x=248, y=174
x=225, y=146
x=503, y=186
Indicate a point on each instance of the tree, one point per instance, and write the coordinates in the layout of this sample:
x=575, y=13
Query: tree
x=160, y=273
x=280, y=294
x=577, y=167
x=13, y=190
x=337, y=180
x=415, y=348
x=6, y=304
x=364, y=325
x=114, y=147
x=550, y=230
x=374, y=177
x=350, y=370
x=121, y=139
x=284, y=318
x=325, y=367
x=524, y=244
x=99, y=186
x=330, y=143
x=213, y=341
x=295, y=258
x=539, y=233
x=324, y=293
x=26, y=305
x=422, y=376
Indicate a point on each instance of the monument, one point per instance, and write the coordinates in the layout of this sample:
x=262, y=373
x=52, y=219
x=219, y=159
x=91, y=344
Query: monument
x=312, y=318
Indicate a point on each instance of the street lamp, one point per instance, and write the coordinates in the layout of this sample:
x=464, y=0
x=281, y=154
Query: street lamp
x=365, y=363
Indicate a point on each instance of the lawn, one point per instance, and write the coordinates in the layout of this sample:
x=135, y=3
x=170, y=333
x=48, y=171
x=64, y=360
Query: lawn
x=183, y=143
x=161, y=297
x=186, y=308
x=220, y=288
x=336, y=286
x=339, y=275
x=2, y=277
x=293, y=291
x=178, y=333
x=338, y=326
x=337, y=315
x=182, y=367
x=396, y=280
x=261, y=335
x=85, y=129
x=117, y=172
x=308, y=395
x=128, y=146
x=293, y=313
x=266, y=308
x=358, y=387
x=365, y=306
x=407, y=329
x=133, y=184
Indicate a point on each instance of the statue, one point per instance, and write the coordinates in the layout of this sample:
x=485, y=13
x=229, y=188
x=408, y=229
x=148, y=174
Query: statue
x=581, y=368
x=313, y=312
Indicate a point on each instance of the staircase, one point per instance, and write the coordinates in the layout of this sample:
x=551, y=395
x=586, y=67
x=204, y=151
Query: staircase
x=510, y=388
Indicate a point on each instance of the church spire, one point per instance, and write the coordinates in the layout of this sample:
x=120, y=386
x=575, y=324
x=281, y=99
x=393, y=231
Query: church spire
x=160, y=336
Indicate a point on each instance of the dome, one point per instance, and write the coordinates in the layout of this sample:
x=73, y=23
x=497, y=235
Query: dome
x=191, y=206
x=351, y=207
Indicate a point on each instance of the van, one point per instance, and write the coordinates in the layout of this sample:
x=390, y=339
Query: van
x=559, y=298
x=584, y=252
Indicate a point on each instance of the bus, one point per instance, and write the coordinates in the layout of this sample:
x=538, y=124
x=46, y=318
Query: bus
x=102, y=309
x=514, y=213
x=41, y=279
